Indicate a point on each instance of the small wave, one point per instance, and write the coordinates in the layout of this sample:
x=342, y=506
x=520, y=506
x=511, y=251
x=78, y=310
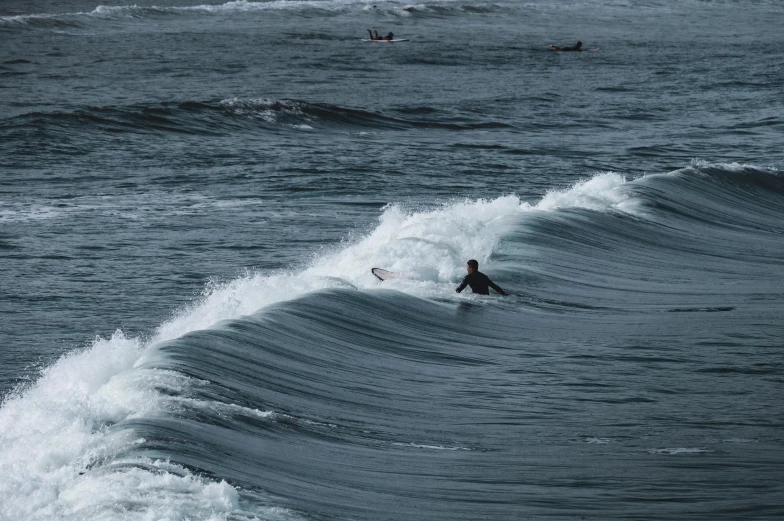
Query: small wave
x=165, y=118
x=701, y=310
x=443, y=9
x=429, y=447
x=42, y=21
x=680, y=450
x=394, y=8
x=479, y=146
x=127, y=206
x=756, y=369
x=30, y=213
x=229, y=115
x=596, y=441
x=291, y=112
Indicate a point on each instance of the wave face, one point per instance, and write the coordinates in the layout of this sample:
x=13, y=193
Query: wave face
x=326, y=393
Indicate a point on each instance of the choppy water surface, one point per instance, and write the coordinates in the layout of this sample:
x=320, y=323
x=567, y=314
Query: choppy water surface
x=192, y=197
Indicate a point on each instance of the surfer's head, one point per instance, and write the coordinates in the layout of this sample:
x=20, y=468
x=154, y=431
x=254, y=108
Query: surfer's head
x=579, y=44
x=472, y=266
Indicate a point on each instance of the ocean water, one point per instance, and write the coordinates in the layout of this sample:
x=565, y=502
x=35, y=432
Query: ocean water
x=193, y=193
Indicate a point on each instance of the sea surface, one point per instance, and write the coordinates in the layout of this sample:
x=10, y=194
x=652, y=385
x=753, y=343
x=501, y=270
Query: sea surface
x=193, y=193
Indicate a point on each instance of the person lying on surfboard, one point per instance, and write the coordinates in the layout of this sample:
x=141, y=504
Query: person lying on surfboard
x=578, y=47
x=478, y=281
x=390, y=36
x=575, y=47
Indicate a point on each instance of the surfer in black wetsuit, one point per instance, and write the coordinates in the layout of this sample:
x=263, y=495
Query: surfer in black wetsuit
x=479, y=282
x=575, y=47
x=390, y=36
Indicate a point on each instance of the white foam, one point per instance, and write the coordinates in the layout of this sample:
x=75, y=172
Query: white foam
x=128, y=206
x=601, y=192
x=598, y=441
x=22, y=213
x=113, y=9
x=732, y=167
x=104, y=495
x=52, y=434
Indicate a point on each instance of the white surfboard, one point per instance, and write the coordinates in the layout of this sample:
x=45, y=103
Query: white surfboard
x=383, y=274
x=387, y=41
x=387, y=275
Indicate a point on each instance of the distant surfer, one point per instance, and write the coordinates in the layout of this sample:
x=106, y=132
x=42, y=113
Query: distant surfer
x=390, y=36
x=574, y=48
x=478, y=281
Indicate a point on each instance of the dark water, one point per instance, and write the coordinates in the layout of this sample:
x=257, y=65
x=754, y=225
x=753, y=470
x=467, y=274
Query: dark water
x=192, y=196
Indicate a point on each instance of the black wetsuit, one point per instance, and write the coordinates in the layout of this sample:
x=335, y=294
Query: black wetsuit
x=480, y=284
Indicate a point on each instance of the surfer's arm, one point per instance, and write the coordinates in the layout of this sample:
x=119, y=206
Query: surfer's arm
x=462, y=285
x=496, y=287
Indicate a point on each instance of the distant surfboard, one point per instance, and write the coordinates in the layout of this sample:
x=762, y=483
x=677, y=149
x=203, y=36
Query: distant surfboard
x=383, y=274
x=387, y=41
x=554, y=48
